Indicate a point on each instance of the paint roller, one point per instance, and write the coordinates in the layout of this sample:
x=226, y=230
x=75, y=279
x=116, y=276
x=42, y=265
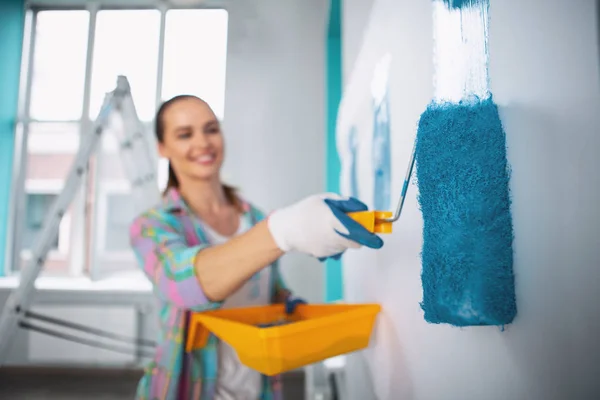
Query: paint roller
x=463, y=180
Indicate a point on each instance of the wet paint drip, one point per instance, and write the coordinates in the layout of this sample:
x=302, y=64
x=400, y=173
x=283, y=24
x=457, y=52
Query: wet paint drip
x=381, y=155
x=353, y=150
x=462, y=4
x=381, y=146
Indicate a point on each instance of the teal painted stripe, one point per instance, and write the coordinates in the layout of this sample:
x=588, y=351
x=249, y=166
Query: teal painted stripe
x=12, y=18
x=334, y=290
x=335, y=19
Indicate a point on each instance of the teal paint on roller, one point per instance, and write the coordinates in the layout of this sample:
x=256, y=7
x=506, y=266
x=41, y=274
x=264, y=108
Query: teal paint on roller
x=463, y=177
x=463, y=180
x=456, y=4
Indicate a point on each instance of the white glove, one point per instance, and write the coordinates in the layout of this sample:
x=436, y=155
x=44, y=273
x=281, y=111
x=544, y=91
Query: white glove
x=318, y=226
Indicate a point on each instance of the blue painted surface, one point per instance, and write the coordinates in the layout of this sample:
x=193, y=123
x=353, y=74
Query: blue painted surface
x=333, y=268
x=335, y=19
x=353, y=150
x=467, y=255
x=457, y=4
x=381, y=149
x=12, y=17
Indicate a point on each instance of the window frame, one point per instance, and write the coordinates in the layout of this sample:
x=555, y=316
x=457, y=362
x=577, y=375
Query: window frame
x=82, y=261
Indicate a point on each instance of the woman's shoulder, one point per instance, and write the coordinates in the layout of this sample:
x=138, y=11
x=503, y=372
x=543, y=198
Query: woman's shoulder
x=159, y=216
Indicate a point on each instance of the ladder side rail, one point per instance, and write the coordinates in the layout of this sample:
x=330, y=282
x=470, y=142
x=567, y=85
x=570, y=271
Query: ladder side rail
x=21, y=297
x=136, y=157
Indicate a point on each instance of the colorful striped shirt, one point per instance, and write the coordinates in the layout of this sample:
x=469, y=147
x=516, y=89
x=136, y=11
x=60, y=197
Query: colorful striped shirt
x=166, y=240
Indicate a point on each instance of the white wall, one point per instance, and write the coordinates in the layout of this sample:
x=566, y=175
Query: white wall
x=355, y=18
x=274, y=129
x=545, y=77
x=275, y=113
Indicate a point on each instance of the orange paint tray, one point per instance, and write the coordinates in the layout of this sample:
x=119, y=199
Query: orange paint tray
x=314, y=333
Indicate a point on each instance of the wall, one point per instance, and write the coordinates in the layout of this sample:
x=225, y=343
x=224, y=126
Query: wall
x=274, y=112
x=274, y=130
x=334, y=83
x=355, y=15
x=545, y=77
x=12, y=19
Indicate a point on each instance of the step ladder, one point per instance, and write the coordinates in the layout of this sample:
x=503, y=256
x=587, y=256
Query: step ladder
x=135, y=147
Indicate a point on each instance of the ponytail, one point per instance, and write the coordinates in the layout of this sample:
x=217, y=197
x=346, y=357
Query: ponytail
x=172, y=181
x=232, y=197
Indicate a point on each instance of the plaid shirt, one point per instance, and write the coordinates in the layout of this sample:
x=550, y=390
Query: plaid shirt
x=165, y=240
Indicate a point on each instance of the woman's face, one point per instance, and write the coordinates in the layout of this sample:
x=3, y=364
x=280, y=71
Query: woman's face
x=192, y=140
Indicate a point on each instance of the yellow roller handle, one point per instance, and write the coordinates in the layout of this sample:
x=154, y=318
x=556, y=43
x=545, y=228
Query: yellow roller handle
x=373, y=221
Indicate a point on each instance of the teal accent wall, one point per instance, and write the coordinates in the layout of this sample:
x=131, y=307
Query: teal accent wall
x=333, y=269
x=12, y=19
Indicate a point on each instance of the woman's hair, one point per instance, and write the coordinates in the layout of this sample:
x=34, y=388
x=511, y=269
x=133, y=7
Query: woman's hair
x=159, y=129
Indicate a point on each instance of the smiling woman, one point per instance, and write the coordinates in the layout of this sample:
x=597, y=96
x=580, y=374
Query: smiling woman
x=204, y=247
x=185, y=111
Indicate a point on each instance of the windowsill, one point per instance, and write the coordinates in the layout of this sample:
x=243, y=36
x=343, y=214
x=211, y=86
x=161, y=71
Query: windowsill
x=127, y=282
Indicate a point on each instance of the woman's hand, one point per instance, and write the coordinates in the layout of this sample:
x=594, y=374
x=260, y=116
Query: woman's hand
x=319, y=226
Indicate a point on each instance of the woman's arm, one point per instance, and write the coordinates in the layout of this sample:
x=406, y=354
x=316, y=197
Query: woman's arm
x=317, y=225
x=223, y=269
x=200, y=277
x=159, y=244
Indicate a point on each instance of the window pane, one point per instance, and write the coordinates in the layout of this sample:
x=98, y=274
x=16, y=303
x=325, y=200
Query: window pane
x=53, y=138
x=51, y=150
x=37, y=206
x=112, y=210
x=196, y=55
x=59, y=65
x=119, y=214
x=126, y=43
x=113, y=214
x=39, y=198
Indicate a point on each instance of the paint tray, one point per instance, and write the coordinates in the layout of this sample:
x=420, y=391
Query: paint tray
x=311, y=334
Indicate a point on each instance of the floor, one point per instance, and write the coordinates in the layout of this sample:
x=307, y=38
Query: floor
x=61, y=384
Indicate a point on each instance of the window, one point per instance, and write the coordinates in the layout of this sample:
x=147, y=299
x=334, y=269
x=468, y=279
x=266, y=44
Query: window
x=121, y=50
x=37, y=206
x=119, y=213
x=57, y=79
x=114, y=214
x=39, y=198
x=200, y=73
x=66, y=84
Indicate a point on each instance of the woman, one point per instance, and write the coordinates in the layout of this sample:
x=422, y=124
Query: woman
x=204, y=247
